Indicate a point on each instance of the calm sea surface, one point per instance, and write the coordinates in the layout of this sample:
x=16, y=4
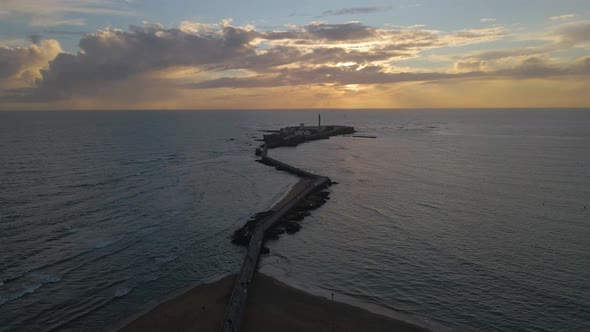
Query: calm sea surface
x=478, y=219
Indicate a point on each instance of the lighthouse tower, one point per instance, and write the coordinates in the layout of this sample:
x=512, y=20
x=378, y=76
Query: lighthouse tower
x=319, y=120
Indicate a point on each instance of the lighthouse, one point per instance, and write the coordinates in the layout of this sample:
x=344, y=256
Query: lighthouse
x=319, y=120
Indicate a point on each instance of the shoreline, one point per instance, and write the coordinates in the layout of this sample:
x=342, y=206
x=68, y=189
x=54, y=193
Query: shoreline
x=272, y=304
x=149, y=306
x=278, y=274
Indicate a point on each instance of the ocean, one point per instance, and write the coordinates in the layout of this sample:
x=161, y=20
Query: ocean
x=475, y=219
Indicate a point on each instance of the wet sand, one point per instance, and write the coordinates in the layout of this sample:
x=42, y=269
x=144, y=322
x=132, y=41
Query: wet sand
x=185, y=312
x=271, y=306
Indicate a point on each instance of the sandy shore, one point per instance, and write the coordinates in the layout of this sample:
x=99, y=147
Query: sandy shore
x=185, y=312
x=272, y=306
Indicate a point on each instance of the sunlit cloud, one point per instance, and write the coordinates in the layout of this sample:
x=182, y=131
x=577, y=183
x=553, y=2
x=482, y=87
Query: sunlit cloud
x=562, y=17
x=201, y=63
x=20, y=66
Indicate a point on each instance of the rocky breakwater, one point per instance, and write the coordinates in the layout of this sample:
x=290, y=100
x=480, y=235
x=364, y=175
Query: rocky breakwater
x=284, y=217
x=290, y=222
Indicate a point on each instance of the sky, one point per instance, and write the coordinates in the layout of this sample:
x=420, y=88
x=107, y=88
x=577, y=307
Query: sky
x=232, y=54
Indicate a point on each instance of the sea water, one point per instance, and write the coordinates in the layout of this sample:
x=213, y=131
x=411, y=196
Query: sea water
x=476, y=219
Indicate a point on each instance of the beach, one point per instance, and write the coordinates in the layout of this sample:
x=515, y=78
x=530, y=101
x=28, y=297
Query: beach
x=272, y=306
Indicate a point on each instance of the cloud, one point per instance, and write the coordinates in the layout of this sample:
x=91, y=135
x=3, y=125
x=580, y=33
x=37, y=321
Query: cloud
x=53, y=21
x=564, y=37
x=529, y=68
x=339, y=32
x=117, y=64
x=486, y=20
x=311, y=33
x=112, y=55
x=562, y=17
x=542, y=67
x=354, y=11
x=60, y=12
x=35, y=39
x=20, y=66
x=65, y=32
x=38, y=8
x=502, y=54
x=14, y=42
x=573, y=34
x=344, y=75
x=469, y=65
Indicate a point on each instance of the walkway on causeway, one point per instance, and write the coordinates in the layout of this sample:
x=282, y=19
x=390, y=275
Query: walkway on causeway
x=308, y=184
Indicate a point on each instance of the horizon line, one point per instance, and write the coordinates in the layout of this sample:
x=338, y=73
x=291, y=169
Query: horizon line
x=293, y=109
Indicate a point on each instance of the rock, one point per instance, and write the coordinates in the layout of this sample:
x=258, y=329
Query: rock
x=271, y=237
x=296, y=216
x=292, y=228
x=273, y=234
x=322, y=194
x=241, y=237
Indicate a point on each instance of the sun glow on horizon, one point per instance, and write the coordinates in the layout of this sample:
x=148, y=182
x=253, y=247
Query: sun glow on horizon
x=319, y=61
